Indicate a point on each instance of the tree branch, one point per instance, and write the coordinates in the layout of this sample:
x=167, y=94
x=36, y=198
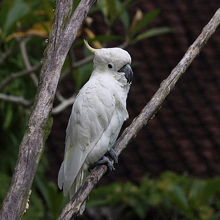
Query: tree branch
x=59, y=95
x=83, y=61
x=17, y=75
x=63, y=105
x=15, y=99
x=27, y=63
x=72, y=208
x=31, y=147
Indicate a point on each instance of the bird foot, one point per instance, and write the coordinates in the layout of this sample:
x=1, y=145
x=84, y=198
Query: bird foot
x=112, y=154
x=104, y=161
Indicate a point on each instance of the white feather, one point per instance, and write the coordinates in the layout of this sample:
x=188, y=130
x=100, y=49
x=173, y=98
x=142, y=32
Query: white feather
x=95, y=122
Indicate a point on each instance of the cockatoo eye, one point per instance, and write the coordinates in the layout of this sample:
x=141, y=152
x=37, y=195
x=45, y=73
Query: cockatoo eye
x=110, y=66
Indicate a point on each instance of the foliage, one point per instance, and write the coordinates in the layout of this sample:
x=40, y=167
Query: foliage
x=24, y=30
x=171, y=196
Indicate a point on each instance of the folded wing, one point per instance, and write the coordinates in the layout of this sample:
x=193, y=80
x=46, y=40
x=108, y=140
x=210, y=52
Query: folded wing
x=90, y=117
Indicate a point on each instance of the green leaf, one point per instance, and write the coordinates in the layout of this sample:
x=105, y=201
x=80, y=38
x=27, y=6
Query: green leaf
x=199, y=193
x=125, y=19
x=179, y=198
x=146, y=20
x=121, y=13
x=152, y=32
x=138, y=207
x=109, y=9
x=114, y=10
x=5, y=7
x=18, y=11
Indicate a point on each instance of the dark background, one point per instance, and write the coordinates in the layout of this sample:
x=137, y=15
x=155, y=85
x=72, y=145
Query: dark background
x=185, y=134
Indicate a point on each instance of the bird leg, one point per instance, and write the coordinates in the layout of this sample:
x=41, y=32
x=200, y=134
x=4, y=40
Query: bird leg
x=108, y=159
x=104, y=161
x=112, y=154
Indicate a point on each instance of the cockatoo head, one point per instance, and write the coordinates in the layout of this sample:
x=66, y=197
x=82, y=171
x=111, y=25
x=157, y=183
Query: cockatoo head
x=114, y=60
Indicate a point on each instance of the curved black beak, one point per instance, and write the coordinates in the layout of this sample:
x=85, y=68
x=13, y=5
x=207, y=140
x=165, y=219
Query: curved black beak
x=128, y=72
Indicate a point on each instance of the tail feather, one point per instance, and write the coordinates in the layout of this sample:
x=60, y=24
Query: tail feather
x=78, y=182
x=80, y=178
x=61, y=177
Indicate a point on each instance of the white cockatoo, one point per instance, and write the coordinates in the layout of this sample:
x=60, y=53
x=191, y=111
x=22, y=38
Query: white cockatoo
x=97, y=116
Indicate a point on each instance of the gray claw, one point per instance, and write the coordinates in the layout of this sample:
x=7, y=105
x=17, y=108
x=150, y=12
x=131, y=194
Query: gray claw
x=113, y=155
x=104, y=161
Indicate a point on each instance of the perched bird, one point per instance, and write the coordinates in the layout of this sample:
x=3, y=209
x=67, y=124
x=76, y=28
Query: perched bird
x=97, y=117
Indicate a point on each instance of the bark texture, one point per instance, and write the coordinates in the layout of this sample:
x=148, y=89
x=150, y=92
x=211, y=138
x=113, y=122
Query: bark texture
x=66, y=25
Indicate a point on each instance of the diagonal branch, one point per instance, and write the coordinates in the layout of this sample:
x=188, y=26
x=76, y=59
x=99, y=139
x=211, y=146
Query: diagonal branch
x=15, y=99
x=13, y=76
x=32, y=144
x=63, y=105
x=72, y=208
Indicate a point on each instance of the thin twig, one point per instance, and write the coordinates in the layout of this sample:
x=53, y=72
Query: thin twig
x=15, y=99
x=83, y=61
x=72, y=208
x=59, y=96
x=22, y=101
x=13, y=76
x=63, y=105
x=27, y=63
x=76, y=65
x=63, y=34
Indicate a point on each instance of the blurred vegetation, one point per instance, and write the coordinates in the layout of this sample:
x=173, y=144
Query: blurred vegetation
x=170, y=196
